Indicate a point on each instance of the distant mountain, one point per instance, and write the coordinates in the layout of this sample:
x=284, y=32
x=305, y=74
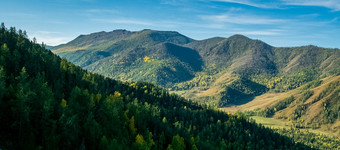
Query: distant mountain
x=147, y=55
x=238, y=52
x=48, y=47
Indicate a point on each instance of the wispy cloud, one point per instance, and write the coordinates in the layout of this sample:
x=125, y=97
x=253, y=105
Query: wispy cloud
x=50, y=38
x=241, y=19
x=54, y=41
x=109, y=11
x=259, y=32
x=332, y=4
x=124, y=21
x=250, y=3
x=173, y=2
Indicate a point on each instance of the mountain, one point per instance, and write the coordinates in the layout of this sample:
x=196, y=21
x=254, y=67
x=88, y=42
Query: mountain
x=147, y=55
x=49, y=103
x=237, y=52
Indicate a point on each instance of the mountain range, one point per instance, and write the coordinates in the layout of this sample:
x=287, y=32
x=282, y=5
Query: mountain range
x=218, y=71
x=175, y=61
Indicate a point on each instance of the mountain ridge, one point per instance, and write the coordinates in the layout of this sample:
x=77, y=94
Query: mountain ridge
x=238, y=54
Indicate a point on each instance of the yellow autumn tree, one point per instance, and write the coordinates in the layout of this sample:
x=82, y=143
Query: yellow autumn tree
x=63, y=103
x=147, y=59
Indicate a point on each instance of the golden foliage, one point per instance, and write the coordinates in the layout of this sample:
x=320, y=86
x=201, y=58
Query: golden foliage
x=117, y=94
x=147, y=59
x=63, y=103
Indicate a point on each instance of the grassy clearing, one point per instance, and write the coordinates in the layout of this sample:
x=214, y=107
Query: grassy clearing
x=261, y=101
x=276, y=123
x=70, y=49
x=271, y=122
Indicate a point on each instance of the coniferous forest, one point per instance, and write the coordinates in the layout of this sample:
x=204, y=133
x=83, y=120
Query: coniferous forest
x=49, y=103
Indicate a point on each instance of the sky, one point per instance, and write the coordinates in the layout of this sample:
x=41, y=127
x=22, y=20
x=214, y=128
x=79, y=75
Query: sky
x=279, y=23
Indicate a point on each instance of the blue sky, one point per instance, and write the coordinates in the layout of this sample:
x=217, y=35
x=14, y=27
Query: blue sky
x=276, y=22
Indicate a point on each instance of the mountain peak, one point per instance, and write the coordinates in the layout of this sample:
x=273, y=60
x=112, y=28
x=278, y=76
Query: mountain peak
x=120, y=31
x=238, y=37
x=164, y=36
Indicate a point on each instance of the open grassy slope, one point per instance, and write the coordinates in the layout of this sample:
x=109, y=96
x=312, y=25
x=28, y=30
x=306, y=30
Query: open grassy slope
x=315, y=112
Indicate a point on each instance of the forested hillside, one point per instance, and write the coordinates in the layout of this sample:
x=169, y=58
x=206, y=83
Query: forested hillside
x=146, y=55
x=49, y=103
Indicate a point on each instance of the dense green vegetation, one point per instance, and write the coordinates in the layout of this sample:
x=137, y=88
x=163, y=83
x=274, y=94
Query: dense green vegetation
x=313, y=140
x=49, y=103
x=202, y=80
x=241, y=89
x=283, y=83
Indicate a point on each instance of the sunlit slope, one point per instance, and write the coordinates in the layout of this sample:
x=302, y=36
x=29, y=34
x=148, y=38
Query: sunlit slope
x=307, y=106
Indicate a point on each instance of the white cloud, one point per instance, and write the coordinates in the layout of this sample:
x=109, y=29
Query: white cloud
x=50, y=38
x=52, y=41
x=332, y=4
x=241, y=19
x=250, y=3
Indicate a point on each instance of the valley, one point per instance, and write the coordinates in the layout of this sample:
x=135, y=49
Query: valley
x=312, y=114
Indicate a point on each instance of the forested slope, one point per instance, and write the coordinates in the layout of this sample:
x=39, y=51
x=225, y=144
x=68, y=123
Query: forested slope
x=147, y=55
x=49, y=103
